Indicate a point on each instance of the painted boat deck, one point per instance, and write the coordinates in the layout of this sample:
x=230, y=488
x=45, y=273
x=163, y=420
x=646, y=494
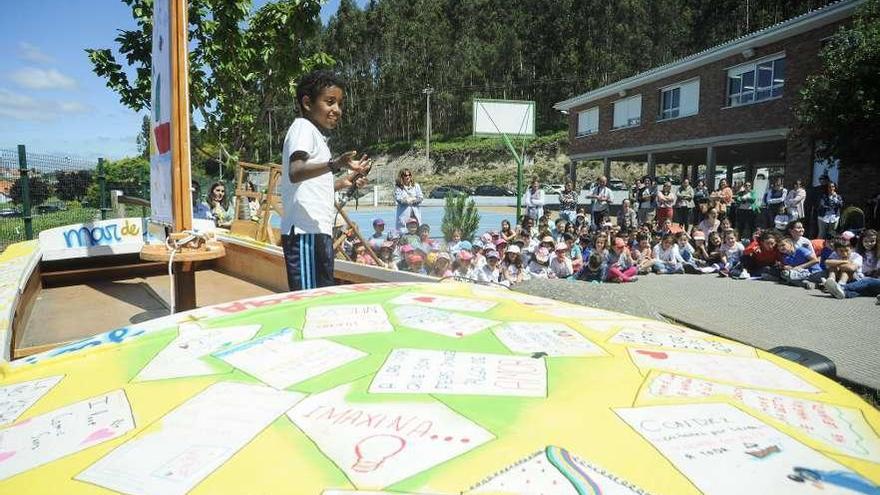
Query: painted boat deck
x=62, y=314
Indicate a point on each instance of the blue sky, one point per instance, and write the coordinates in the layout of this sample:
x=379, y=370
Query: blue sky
x=50, y=100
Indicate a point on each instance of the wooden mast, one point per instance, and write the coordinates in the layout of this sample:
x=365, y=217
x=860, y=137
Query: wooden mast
x=181, y=176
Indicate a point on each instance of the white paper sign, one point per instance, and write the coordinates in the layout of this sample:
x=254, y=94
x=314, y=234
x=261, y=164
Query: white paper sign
x=511, y=295
x=679, y=341
x=641, y=325
x=723, y=450
x=352, y=319
x=554, y=339
x=444, y=302
x=279, y=361
x=416, y=371
x=843, y=429
x=379, y=444
x=538, y=474
x=64, y=431
x=15, y=399
x=441, y=322
x=582, y=313
x=753, y=372
x=182, y=448
x=183, y=356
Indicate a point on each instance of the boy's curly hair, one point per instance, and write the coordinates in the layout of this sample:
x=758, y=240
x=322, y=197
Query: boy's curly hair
x=312, y=83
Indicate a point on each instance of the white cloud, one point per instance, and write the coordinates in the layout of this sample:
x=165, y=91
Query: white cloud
x=19, y=106
x=34, y=78
x=32, y=53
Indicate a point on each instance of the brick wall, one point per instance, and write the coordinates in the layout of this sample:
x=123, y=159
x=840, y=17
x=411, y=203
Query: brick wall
x=713, y=118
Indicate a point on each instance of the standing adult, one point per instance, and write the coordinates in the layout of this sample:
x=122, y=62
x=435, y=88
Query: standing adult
x=408, y=195
x=684, y=205
x=701, y=201
x=665, y=202
x=745, y=215
x=601, y=196
x=794, y=200
x=534, y=200
x=811, y=205
x=645, y=197
x=773, y=198
x=828, y=211
x=568, y=202
x=627, y=218
x=723, y=197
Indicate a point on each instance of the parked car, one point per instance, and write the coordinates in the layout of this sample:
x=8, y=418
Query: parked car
x=493, y=190
x=42, y=209
x=553, y=188
x=616, y=185
x=8, y=213
x=440, y=192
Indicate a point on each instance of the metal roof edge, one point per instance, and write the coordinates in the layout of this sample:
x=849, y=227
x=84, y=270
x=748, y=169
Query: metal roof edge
x=810, y=20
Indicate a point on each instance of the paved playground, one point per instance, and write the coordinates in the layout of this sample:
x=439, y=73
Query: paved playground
x=758, y=313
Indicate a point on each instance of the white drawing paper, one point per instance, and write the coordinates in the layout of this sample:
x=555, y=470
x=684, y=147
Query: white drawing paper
x=379, y=444
x=64, y=431
x=183, y=356
x=416, y=371
x=754, y=372
x=678, y=341
x=444, y=302
x=843, y=429
x=279, y=361
x=581, y=313
x=686, y=387
x=350, y=319
x=537, y=475
x=640, y=325
x=554, y=339
x=725, y=451
x=17, y=398
x=182, y=448
x=511, y=295
x=441, y=322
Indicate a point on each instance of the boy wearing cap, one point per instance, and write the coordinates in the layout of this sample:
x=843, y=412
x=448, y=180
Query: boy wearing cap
x=378, y=236
x=539, y=266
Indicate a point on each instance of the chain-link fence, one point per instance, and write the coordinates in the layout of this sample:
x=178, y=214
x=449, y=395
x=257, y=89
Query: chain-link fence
x=40, y=191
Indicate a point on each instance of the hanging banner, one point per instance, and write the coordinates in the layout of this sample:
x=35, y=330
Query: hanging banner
x=160, y=116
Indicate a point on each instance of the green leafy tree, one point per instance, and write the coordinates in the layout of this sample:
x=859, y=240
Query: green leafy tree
x=841, y=104
x=460, y=214
x=143, y=138
x=72, y=185
x=243, y=64
x=40, y=190
x=125, y=175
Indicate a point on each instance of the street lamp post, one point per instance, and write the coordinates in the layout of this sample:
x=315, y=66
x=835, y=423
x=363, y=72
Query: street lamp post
x=427, y=92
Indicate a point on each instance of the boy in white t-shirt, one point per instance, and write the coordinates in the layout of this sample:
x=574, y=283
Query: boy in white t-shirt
x=308, y=184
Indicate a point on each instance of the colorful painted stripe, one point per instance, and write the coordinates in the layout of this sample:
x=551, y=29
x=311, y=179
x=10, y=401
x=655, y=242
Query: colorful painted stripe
x=581, y=481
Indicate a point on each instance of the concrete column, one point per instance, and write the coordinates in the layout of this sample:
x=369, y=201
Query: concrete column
x=710, y=168
x=695, y=174
x=750, y=172
x=652, y=166
x=573, y=174
x=606, y=167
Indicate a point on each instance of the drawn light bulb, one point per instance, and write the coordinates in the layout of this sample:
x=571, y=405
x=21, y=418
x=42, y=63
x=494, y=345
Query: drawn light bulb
x=372, y=451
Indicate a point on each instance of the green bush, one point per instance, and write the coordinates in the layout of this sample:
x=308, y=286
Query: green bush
x=460, y=214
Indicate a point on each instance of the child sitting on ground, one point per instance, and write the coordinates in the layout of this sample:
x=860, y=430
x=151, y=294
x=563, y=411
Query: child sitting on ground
x=644, y=254
x=561, y=265
x=732, y=250
x=797, y=264
x=621, y=266
x=539, y=266
x=844, y=265
x=593, y=270
x=667, y=259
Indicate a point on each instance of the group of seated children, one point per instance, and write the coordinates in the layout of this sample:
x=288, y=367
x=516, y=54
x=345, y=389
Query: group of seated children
x=844, y=266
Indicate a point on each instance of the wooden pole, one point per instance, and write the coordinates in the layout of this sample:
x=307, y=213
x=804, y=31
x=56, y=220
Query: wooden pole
x=181, y=177
x=357, y=233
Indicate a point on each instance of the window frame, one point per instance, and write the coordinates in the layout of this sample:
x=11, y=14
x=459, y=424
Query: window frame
x=774, y=91
x=578, y=132
x=628, y=124
x=679, y=86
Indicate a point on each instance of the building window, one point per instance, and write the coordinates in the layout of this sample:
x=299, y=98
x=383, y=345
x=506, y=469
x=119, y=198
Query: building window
x=680, y=100
x=588, y=122
x=755, y=82
x=628, y=112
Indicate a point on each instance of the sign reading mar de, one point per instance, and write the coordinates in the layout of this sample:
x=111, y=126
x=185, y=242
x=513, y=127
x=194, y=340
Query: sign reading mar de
x=100, y=238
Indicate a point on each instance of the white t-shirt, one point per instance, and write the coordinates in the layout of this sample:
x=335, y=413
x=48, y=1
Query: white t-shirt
x=309, y=206
x=854, y=258
x=671, y=255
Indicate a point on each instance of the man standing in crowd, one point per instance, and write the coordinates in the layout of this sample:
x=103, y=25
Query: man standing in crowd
x=601, y=196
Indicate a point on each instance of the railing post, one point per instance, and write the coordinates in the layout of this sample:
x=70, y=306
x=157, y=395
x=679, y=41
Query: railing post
x=102, y=189
x=25, y=192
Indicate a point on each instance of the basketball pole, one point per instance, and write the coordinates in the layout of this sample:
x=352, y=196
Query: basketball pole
x=519, y=174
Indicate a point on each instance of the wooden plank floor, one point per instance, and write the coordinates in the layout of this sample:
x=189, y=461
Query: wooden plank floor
x=62, y=314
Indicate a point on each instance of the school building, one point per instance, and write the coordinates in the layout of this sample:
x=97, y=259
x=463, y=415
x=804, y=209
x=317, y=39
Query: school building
x=728, y=108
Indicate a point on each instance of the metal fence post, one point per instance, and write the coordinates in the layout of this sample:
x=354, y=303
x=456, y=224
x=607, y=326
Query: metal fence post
x=25, y=192
x=102, y=189
x=144, y=191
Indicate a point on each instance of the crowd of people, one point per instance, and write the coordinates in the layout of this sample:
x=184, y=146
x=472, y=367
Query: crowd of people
x=729, y=232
